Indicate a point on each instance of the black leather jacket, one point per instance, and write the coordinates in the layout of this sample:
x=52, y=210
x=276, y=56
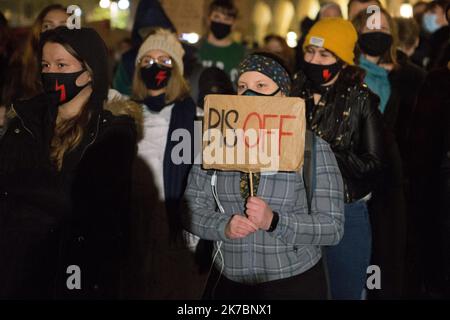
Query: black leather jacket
x=347, y=117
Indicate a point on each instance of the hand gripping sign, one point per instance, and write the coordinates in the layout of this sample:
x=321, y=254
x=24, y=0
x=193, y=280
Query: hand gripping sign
x=253, y=133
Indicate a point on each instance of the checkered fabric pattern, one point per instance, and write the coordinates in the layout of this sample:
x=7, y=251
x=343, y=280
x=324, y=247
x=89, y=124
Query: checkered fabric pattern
x=295, y=245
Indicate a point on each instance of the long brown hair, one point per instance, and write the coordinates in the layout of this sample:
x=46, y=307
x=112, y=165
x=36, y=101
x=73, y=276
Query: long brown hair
x=390, y=57
x=24, y=66
x=69, y=133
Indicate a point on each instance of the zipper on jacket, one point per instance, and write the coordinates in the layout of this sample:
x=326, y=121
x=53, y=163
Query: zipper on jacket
x=21, y=120
x=93, y=140
x=346, y=194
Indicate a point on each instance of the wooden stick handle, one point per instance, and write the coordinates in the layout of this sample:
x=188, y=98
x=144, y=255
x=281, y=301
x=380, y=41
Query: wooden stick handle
x=250, y=176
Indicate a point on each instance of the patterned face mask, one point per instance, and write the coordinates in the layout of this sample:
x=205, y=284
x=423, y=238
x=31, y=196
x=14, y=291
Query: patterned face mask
x=156, y=76
x=321, y=74
x=63, y=83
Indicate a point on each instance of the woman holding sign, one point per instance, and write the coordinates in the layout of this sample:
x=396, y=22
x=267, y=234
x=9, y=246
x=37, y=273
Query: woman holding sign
x=343, y=111
x=267, y=246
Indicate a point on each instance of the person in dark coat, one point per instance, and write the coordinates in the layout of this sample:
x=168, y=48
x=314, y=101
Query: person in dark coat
x=419, y=55
x=33, y=205
x=444, y=55
x=444, y=195
x=436, y=24
x=388, y=207
x=430, y=180
x=445, y=182
x=93, y=149
x=408, y=79
x=84, y=150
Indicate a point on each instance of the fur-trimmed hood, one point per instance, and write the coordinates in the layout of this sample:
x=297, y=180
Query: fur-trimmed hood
x=124, y=107
x=117, y=104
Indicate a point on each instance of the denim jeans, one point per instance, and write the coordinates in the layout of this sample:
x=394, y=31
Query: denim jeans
x=347, y=262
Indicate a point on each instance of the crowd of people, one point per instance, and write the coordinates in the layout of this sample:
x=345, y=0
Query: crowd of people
x=88, y=182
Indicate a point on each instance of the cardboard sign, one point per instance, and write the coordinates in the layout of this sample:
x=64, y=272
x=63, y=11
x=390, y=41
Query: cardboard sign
x=253, y=133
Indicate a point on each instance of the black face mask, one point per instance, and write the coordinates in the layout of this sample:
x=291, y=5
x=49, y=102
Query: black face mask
x=320, y=74
x=250, y=92
x=375, y=44
x=63, y=83
x=156, y=76
x=220, y=30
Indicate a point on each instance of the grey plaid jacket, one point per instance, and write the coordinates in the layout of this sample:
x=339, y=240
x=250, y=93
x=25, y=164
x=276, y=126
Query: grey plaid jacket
x=295, y=245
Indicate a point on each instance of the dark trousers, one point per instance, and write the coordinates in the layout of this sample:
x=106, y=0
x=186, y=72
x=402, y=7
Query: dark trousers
x=310, y=285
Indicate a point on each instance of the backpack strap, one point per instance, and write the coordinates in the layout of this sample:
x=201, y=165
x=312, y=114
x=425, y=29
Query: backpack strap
x=309, y=167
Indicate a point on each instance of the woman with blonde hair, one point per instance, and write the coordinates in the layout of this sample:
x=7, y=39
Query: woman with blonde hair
x=161, y=170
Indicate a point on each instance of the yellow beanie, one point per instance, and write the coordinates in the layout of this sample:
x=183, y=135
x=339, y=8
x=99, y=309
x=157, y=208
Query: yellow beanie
x=336, y=35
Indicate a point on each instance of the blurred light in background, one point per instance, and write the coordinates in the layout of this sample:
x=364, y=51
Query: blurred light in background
x=314, y=7
x=114, y=9
x=104, y=4
x=124, y=4
x=406, y=10
x=190, y=37
x=117, y=12
x=261, y=17
x=291, y=39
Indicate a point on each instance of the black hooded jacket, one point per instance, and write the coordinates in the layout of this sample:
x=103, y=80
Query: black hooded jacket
x=82, y=221
x=33, y=204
